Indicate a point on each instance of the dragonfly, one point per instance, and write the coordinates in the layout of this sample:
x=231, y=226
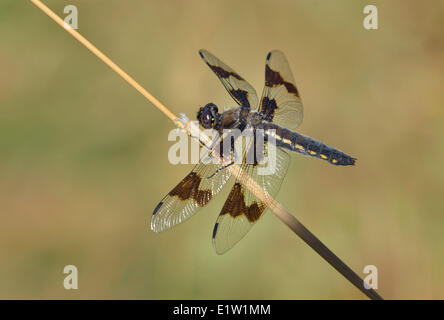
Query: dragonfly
x=277, y=116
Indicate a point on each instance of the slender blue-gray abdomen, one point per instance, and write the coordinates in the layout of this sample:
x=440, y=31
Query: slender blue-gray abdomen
x=294, y=141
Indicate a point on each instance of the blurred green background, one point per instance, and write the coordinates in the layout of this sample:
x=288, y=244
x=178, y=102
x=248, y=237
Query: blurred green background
x=83, y=156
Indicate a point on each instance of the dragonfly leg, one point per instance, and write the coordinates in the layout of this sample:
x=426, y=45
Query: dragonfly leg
x=212, y=144
x=233, y=161
x=220, y=169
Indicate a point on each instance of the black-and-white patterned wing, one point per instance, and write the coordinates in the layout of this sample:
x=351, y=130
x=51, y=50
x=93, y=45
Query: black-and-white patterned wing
x=280, y=100
x=191, y=194
x=241, y=91
x=242, y=209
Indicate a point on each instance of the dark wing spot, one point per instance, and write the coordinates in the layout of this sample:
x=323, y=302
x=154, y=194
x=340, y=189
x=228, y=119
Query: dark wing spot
x=254, y=212
x=222, y=73
x=274, y=78
x=188, y=188
x=291, y=88
x=241, y=96
x=235, y=205
x=268, y=108
x=157, y=208
x=215, y=229
x=268, y=56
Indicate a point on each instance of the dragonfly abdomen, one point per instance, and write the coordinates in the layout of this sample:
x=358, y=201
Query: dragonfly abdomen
x=294, y=141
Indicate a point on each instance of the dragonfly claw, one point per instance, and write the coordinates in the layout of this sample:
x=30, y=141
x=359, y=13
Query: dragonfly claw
x=183, y=118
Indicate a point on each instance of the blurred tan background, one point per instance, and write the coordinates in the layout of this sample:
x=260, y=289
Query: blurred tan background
x=83, y=157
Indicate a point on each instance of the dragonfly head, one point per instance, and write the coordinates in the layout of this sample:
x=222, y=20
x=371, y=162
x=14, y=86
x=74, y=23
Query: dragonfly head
x=208, y=116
